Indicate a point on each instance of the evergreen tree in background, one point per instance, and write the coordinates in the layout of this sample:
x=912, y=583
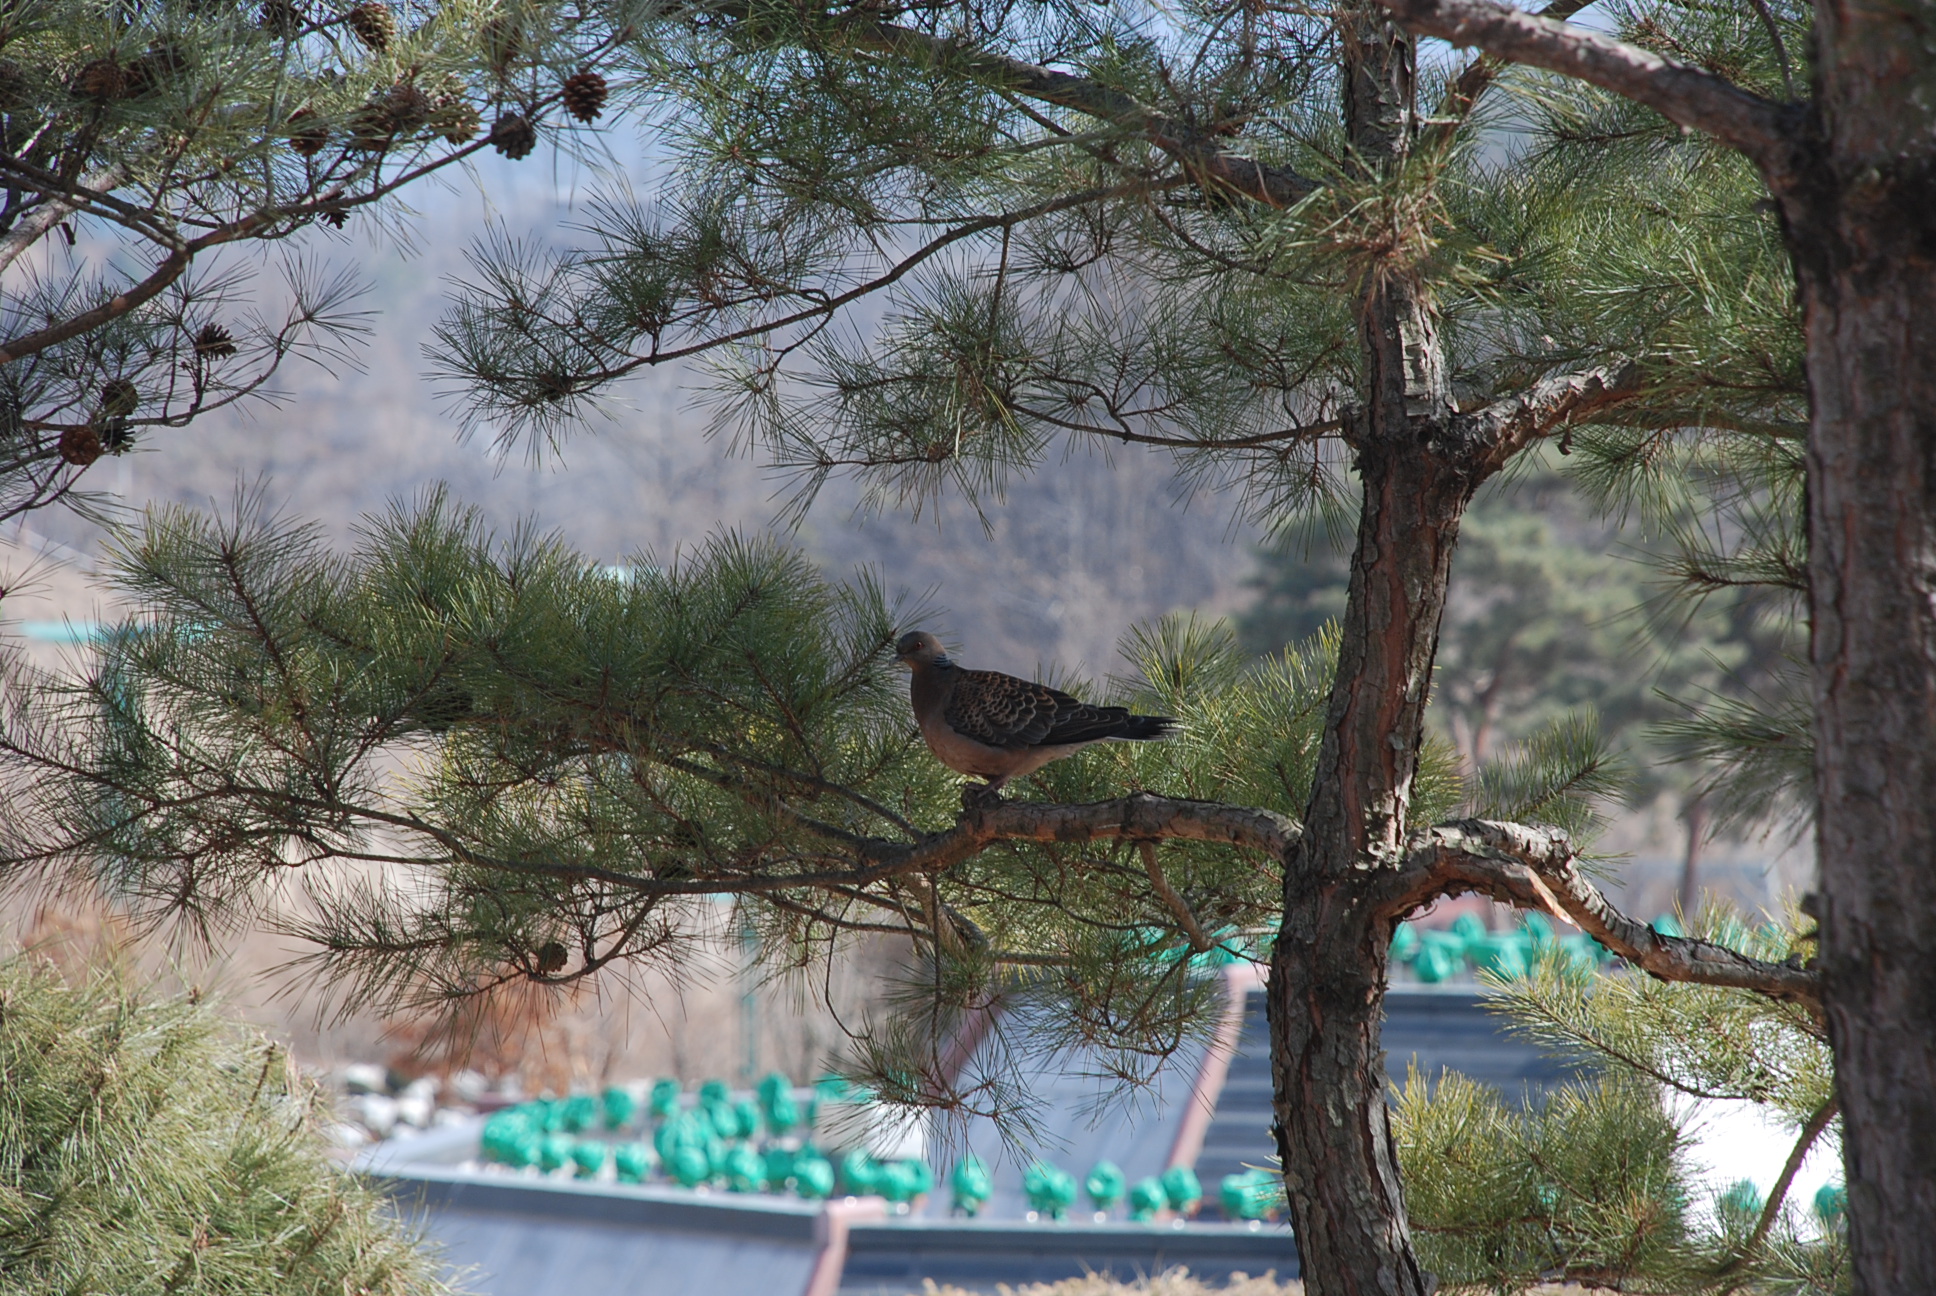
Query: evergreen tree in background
x=1265, y=241
x=1680, y=631
x=156, y=160
x=149, y=1146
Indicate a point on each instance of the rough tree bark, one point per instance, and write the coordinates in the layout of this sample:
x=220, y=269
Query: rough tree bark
x=1327, y=983
x=1864, y=227
x=1852, y=172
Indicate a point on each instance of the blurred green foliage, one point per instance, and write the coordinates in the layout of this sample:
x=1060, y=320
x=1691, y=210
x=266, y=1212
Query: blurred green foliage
x=148, y=1145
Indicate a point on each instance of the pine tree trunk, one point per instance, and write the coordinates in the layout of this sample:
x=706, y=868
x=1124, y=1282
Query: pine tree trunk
x=1859, y=207
x=1868, y=274
x=1327, y=984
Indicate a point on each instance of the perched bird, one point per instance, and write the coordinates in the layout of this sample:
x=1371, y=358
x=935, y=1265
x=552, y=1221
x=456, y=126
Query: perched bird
x=997, y=727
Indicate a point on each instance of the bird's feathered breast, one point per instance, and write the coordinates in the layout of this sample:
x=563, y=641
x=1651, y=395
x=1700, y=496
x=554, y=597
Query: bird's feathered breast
x=1004, y=711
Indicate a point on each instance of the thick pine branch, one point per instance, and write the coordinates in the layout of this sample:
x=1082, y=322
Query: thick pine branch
x=1509, y=425
x=1476, y=77
x=1682, y=93
x=1537, y=868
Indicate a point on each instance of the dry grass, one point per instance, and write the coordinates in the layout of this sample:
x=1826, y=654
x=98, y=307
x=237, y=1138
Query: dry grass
x=1172, y=1282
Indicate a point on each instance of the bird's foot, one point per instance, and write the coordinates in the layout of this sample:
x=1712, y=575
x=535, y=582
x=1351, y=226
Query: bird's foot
x=980, y=796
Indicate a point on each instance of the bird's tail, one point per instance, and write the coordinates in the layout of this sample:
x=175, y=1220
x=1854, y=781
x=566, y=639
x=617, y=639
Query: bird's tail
x=1143, y=728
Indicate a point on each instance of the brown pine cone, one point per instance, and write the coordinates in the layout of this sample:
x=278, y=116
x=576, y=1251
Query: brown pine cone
x=311, y=139
x=456, y=121
x=585, y=95
x=80, y=446
x=552, y=956
x=214, y=341
x=408, y=106
x=336, y=217
x=119, y=398
x=373, y=24
x=103, y=79
x=514, y=136
x=397, y=111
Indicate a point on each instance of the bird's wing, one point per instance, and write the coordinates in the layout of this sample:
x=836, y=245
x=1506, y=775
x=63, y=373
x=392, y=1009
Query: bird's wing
x=1005, y=711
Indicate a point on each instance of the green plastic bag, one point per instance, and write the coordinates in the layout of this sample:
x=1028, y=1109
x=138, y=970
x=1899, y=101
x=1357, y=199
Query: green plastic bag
x=971, y=1186
x=1051, y=1191
x=588, y=1157
x=1182, y=1188
x=620, y=1107
x=1106, y=1185
x=632, y=1162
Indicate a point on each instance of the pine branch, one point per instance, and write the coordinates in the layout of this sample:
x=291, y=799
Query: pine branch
x=1212, y=165
x=1682, y=93
x=1778, y=1195
x=1510, y=425
x=1537, y=868
x=54, y=210
x=1476, y=77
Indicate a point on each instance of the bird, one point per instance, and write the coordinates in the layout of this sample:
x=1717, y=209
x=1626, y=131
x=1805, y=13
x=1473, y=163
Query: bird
x=997, y=727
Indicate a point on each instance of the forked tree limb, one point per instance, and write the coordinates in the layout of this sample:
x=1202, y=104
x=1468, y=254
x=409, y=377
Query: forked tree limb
x=1537, y=868
x=1507, y=426
x=1476, y=77
x=1684, y=94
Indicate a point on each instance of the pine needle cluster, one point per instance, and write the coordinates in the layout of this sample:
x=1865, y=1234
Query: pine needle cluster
x=149, y=1146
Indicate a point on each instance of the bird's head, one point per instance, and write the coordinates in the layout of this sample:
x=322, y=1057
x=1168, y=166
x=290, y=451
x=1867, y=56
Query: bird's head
x=919, y=648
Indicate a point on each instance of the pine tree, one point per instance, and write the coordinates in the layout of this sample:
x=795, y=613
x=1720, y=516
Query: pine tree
x=1845, y=142
x=155, y=159
x=1264, y=241
x=149, y=1146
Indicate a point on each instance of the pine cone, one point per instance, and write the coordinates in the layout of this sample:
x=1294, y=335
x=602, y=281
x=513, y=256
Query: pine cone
x=408, y=106
x=552, y=956
x=372, y=128
x=373, y=24
x=214, y=341
x=80, y=446
x=585, y=95
x=514, y=136
x=103, y=79
x=336, y=217
x=311, y=139
x=119, y=398
x=456, y=121
x=285, y=18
